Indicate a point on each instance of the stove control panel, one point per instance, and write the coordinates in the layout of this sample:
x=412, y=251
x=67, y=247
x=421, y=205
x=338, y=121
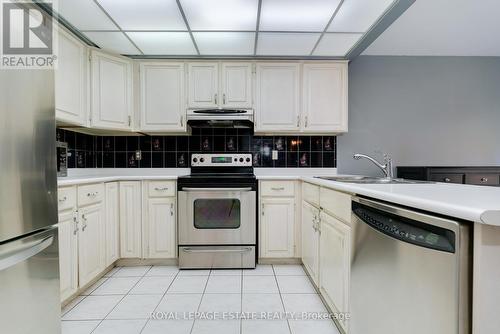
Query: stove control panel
x=221, y=160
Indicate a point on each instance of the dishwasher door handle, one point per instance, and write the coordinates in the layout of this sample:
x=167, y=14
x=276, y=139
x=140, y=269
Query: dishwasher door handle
x=215, y=250
x=217, y=189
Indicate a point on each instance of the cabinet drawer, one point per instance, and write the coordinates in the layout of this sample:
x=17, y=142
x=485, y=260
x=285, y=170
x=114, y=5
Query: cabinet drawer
x=278, y=188
x=161, y=188
x=66, y=198
x=310, y=193
x=447, y=177
x=336, y=203
x=482, y=179
x=90, y=194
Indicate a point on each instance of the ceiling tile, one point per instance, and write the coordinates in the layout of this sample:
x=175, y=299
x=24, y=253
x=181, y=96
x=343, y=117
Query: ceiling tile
x=146, y=15
x=337, y=44
x=225, y=43
x=85, y=15
x=221, y=14
x=286, y=44
x=358, y=15
x=296, y=15
x=115, y=42
x=164, y=43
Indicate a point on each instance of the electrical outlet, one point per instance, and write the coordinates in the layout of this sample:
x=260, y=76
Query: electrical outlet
x=275, y=154
x=138, y=155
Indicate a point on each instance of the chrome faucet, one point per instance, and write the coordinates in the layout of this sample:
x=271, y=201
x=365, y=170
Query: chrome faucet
x=386, y=167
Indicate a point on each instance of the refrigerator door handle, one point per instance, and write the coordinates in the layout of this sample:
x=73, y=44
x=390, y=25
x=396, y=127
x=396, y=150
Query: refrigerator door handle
x=14, y=256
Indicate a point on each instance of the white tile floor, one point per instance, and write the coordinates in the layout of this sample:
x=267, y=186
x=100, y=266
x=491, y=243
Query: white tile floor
x=123, y=300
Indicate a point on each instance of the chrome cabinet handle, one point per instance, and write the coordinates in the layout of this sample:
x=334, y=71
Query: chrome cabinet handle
x=171, y=209
x=215, y=98
x=161, y=189
x=298, y=121
x=305, y=122
x=94, y=194
x=182, y=120
x=484, y=179
x=224, y=98
x=84, y=222
x=278, y=188
x=447, y=179
x=63, y=199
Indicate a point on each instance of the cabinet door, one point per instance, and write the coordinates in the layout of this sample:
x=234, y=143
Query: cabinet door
x=203, y=83
x=236, y=85
x=91, y=248
x=71, y=81
x=68, y=254
x=277, y=227
x=161, y=233
x=310, y=240
x=130, y=219
x=324, y=94
x=163, y=106
x=277, y=97
x=335, y=245
x=111, y=92
x=112, y=223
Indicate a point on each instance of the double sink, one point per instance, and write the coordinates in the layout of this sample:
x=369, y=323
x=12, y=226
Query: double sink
x=370, y=180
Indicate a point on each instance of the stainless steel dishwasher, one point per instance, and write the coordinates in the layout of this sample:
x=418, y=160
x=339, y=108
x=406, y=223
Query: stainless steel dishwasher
x=410, y=271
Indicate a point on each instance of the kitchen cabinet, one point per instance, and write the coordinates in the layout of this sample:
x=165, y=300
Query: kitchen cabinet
x=310, y=240
x=335, y=250
x=68, y=253
x=277, y=225
x=112, y=198
x=130, y=219
x=277, y=97
x=220, y=85
x=203, y=85
x=91, y=241
x=111, y=92
x=71, y=81
x=162, y=103
x=236, y=85
x=324, y=97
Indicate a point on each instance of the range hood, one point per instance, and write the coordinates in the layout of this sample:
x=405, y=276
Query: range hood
x=220, y=118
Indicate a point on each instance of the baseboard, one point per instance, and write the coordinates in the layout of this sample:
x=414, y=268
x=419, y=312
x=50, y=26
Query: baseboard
x=280, y=260
x=146, y=262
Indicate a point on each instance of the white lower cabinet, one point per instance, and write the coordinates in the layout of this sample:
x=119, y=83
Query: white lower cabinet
x=277, y=225
x=335, y=250
x=112, y=222
x=91, y=242
x=161, y=228
x=310, y=240
x=68, y=253
x=130, y=219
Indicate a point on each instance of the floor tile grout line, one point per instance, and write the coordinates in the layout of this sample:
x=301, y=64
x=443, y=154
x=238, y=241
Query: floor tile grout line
x=201, y=300
x=100, y=322
x=282, y=301
x=163, y=296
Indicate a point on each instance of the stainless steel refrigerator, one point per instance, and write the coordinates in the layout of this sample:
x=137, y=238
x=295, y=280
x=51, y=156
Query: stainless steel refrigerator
x=29, y=259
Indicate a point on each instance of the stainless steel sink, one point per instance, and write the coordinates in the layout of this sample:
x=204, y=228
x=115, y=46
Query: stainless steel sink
x=370, y=180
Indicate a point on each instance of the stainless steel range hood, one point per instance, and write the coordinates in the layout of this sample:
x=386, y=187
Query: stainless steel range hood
x=220, y=118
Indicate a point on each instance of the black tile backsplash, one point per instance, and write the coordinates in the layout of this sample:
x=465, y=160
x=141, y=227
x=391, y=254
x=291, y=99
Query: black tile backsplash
x=173, y=151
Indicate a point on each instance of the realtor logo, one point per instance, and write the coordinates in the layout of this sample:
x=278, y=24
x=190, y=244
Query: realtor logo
x=27, y=35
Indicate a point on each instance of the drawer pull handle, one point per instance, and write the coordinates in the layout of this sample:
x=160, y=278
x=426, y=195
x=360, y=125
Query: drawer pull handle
x=278, y=188
x=447, y=179
x=484, y=179
x=161, y=189
x=94, y=194
x=63, y=199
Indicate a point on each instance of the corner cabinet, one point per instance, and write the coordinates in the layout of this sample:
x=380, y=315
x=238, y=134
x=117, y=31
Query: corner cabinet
x=71, y=81
x=324, y=97
x=111, y=93
x=277, y=97
x=162, y=103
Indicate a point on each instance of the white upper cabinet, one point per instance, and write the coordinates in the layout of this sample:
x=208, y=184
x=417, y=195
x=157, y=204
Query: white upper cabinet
x=111, y=98
x=277, y=106
x=71, y=81
x=324, y=97
x=163, y=106
x=236, y=85
x=203, y=83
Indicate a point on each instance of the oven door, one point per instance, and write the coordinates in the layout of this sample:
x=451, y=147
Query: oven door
x=217, y=216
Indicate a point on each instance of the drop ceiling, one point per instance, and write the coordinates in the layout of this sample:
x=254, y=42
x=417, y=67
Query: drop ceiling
x=245, y=28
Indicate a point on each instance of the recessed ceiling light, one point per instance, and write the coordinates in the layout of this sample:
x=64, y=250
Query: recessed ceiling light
x=113, y=41
x=358, y=15
x=221, y=14
x=336, y=44
x=145, y=14
x=163, y=43
x=286, y=44
x=225, y=43
x=296, y=15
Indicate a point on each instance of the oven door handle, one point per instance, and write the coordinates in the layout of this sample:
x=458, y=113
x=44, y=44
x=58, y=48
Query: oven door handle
x=217, y=189
x=215, y=250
